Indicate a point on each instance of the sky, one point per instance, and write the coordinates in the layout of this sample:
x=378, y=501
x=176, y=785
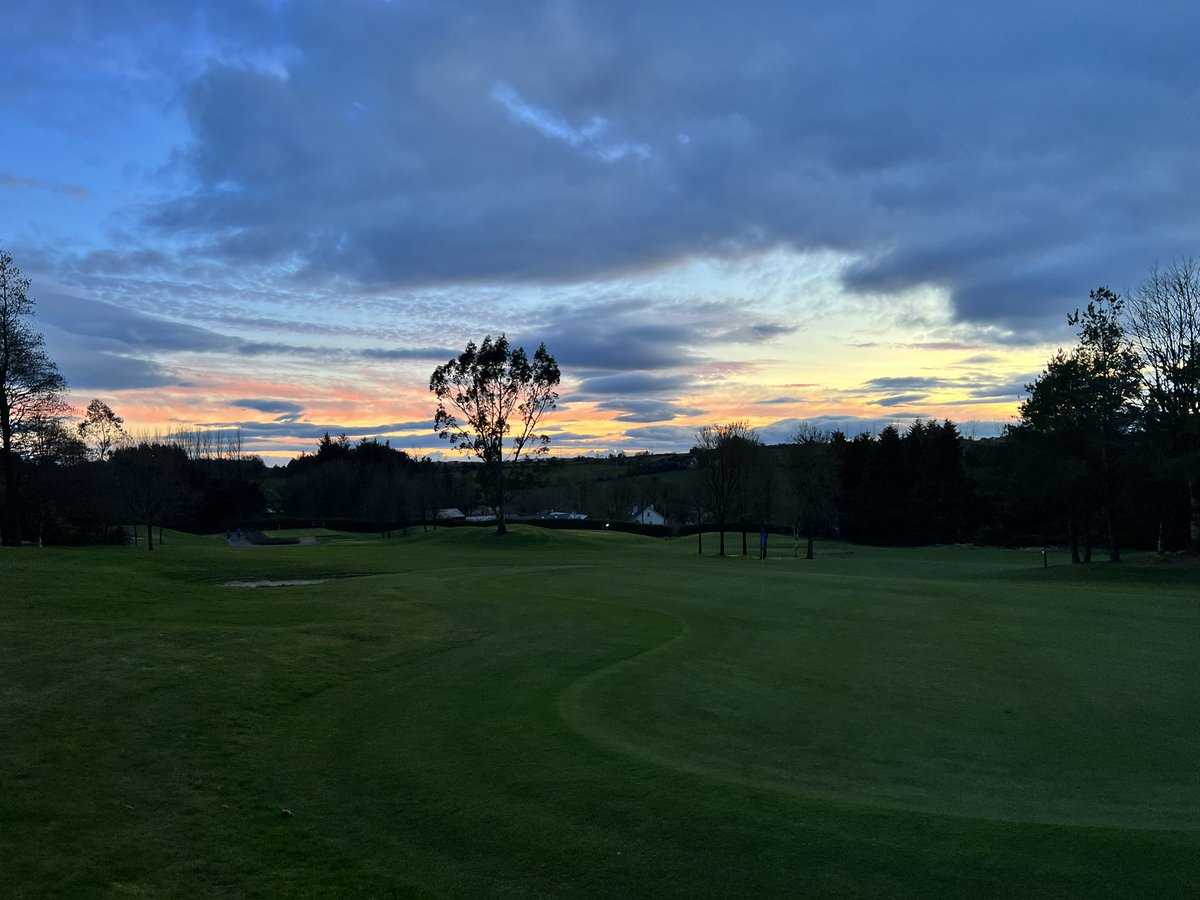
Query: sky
x=280, y=215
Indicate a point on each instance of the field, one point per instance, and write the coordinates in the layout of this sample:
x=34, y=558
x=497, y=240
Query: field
x=594, y=714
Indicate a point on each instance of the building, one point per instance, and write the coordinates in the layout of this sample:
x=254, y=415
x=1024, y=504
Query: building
x=648, y=516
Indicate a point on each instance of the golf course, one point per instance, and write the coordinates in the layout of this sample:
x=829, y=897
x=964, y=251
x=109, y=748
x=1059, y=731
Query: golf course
x=594, y=714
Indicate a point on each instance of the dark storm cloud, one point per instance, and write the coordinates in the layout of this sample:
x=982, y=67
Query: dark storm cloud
x=1014, y=154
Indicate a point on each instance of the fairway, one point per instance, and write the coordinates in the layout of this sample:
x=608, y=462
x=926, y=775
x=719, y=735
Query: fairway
x=594, y=714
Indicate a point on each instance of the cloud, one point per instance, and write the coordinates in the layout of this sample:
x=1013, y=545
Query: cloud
x=630, y=384
x=900, y=400
x=253, y=196
x=756, y=333
x=112, y=326
x=15, y=182
x=663, y=437
x=555, y=143
x=592, y=137
x=422, y=353
x=780, y=401
x=619, y=336
x=784, y=430
x=101, y=347
x=908, y=382
x=285, y=410
x=311, y=431
x=648, y=410
x=641, y=334
x=88, y=368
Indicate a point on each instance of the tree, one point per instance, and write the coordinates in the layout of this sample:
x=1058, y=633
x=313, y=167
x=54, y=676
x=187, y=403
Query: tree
x=1054, y=449
x=54, y=483
x=152, y=479
x=883, y=490
x=937, y=496
x=724, y=454
x=814, y=475
x=1084, y=399
x=31, y=390
x=1163, y=320
x=493, y=393
x=101, y=428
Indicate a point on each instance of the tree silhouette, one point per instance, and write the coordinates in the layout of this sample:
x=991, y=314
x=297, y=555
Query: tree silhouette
x=724, y=455
x=102, y=428
x=1163, y=320
x=31, y=390
x=491, y=394
x=1083, y=401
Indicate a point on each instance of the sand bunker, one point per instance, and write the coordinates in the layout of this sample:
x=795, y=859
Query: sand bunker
x=279, y=582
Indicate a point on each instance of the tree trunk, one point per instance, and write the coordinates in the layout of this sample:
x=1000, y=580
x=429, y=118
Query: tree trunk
x=1073, y=540
x=700, y=539
x=721, y=543
x=1194, y=508
x=745, y=550
x=149, y=536
x=501, y=528
x=10, y=526
x=1110, y=523
x=808, y=553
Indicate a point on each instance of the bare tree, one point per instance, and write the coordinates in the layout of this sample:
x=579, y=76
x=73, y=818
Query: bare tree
x=1162, y=318
x=31, y=389
x=814, y=472
x=724, y=455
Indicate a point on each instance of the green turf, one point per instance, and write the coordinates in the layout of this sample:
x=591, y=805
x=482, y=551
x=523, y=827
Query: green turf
x=594, y=714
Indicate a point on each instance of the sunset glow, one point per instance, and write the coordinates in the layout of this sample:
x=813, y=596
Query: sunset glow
x=280, y=217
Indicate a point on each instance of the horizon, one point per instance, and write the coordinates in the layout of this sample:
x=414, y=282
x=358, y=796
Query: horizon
x=774, y=435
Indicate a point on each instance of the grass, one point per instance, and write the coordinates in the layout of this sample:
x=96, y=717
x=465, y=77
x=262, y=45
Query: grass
x=594, y=714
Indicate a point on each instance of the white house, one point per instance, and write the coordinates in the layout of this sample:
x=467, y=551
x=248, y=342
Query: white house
x=648, y=516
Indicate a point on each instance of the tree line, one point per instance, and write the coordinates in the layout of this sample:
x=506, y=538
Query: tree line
x=1105, y=453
